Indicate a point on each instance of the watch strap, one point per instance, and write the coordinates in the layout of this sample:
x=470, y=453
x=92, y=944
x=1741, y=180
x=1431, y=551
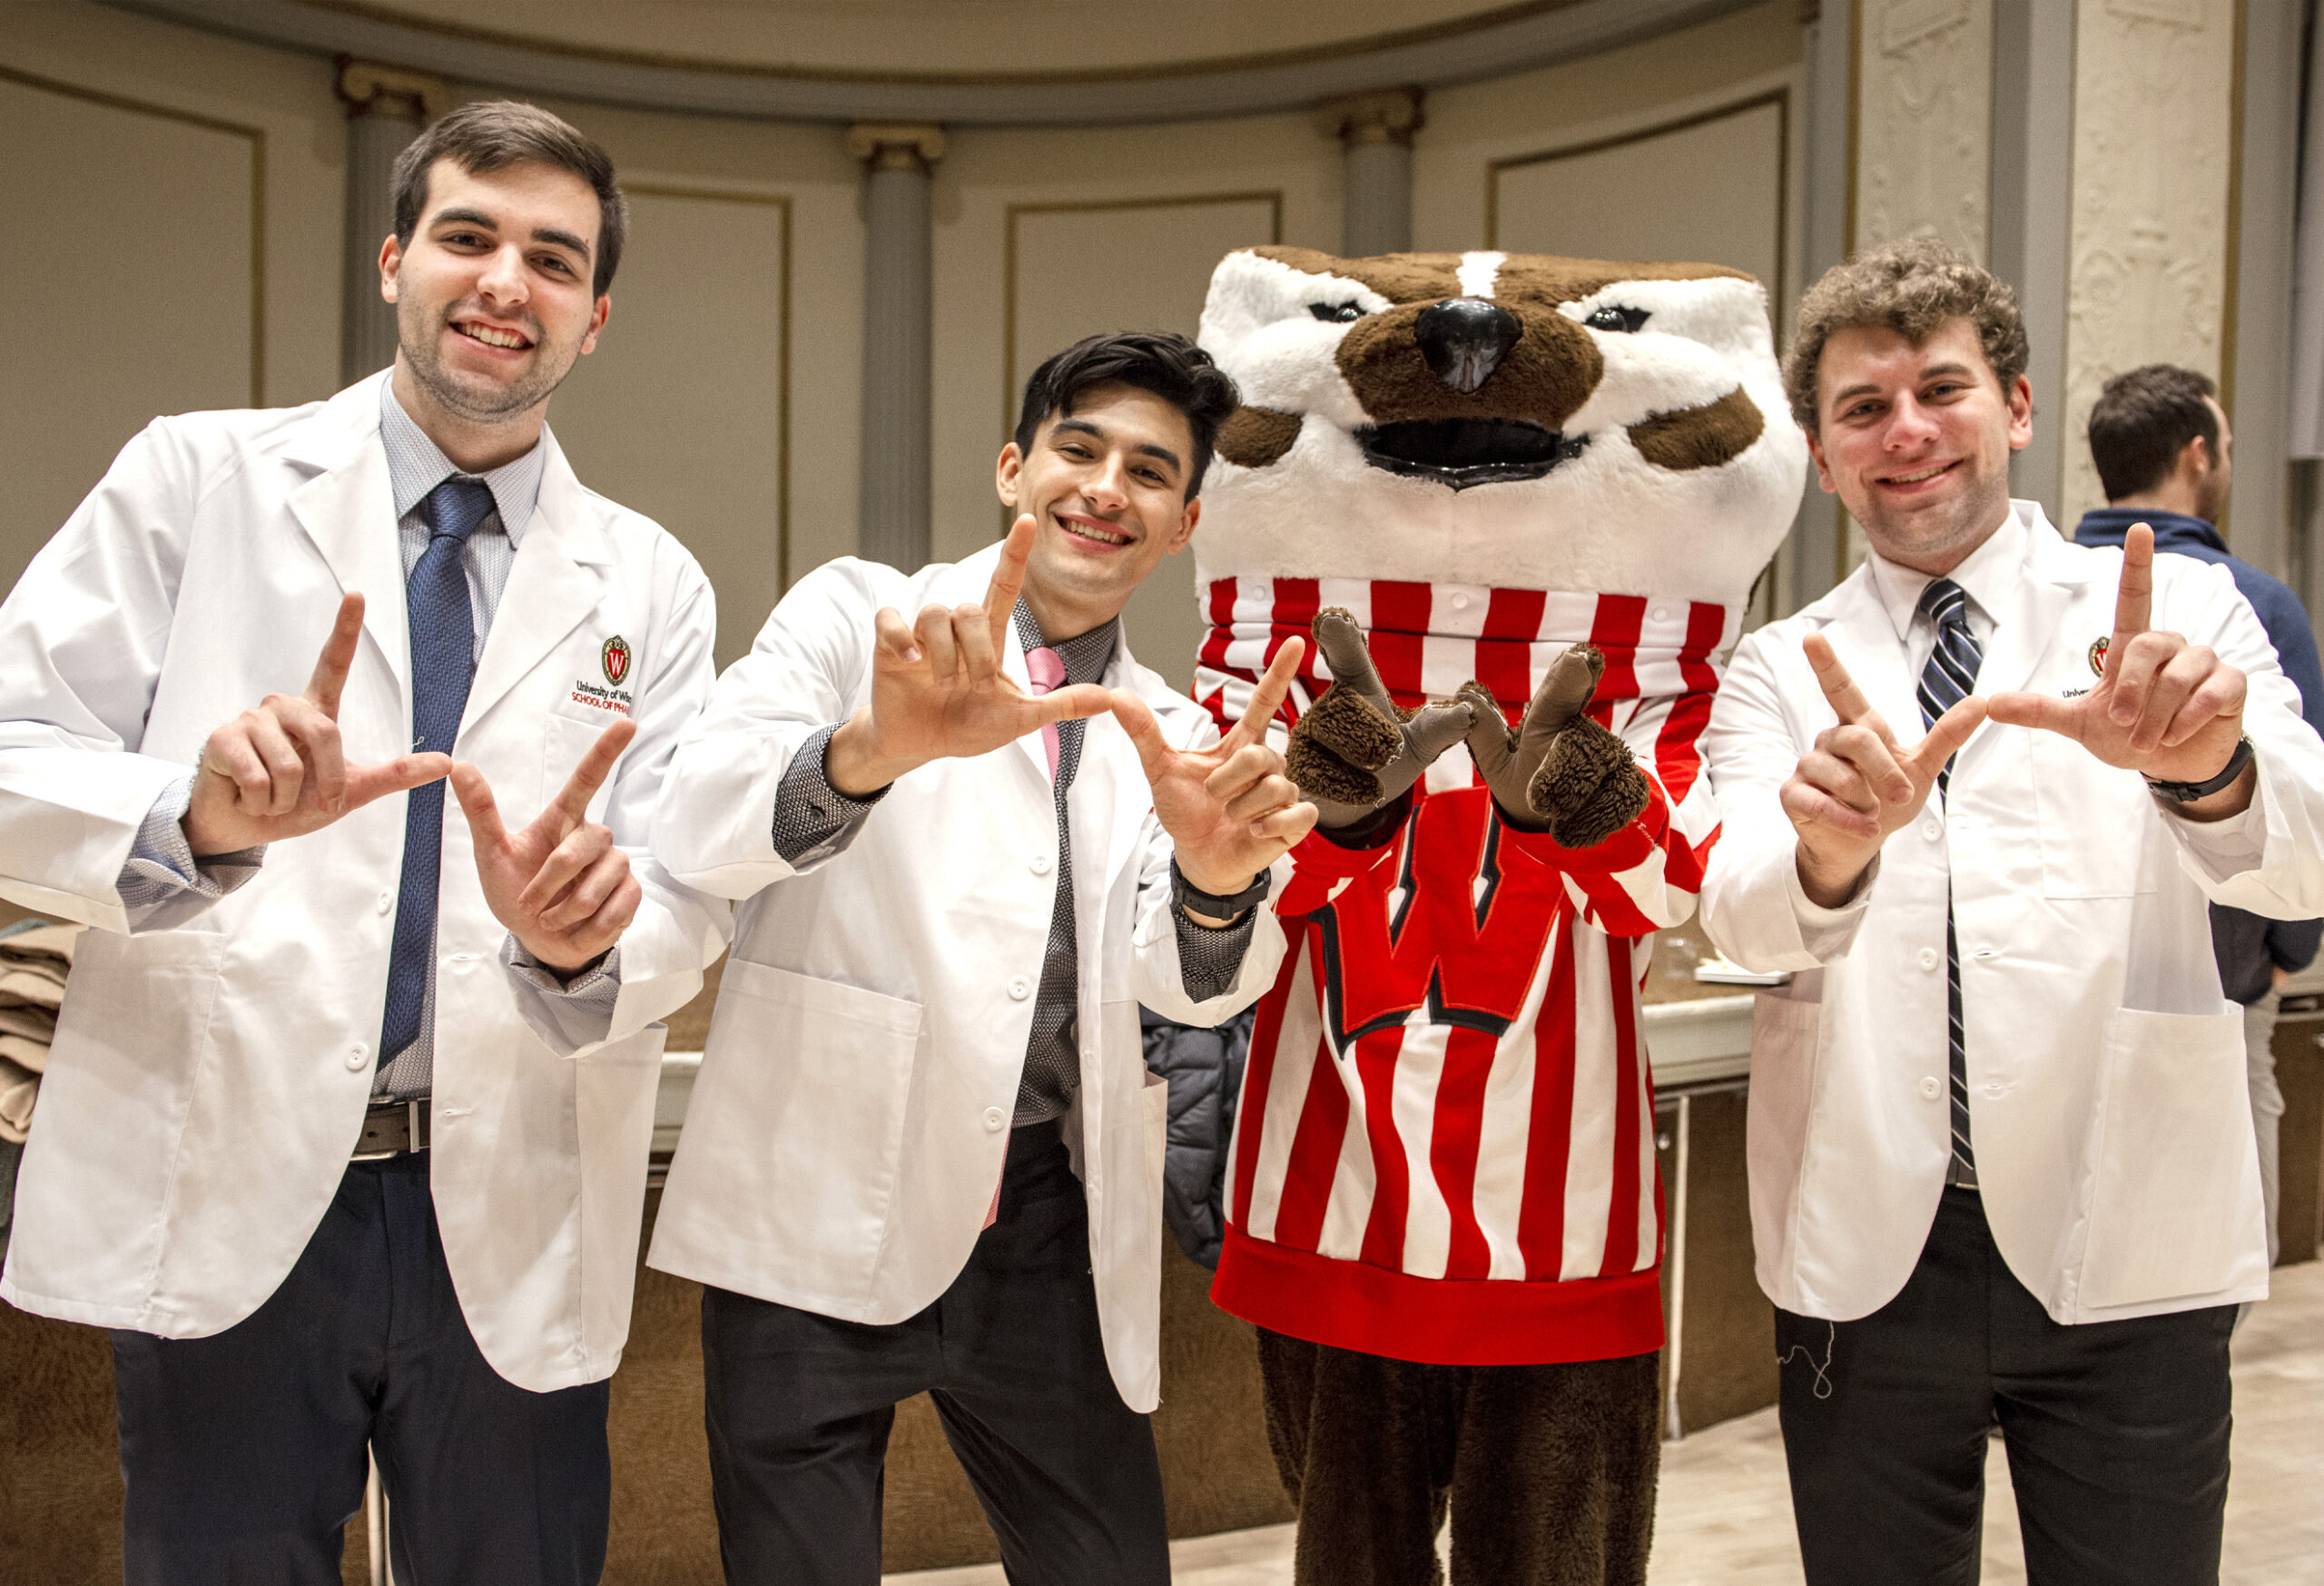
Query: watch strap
x=1189, y=896
x=2187, y=793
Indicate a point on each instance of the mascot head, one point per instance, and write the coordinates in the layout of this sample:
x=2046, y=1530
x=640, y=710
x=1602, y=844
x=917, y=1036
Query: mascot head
x=1503, y=420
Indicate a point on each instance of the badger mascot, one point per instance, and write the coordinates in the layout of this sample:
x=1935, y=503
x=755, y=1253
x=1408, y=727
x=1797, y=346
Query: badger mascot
x=1520, y=502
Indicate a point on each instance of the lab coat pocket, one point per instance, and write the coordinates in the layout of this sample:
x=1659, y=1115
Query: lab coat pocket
x=565, y=741
x=2168, y=1195
x=1785, y=1033
x=808, y=1082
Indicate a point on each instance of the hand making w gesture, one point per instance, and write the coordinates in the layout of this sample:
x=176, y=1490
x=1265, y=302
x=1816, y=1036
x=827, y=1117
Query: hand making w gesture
x=560, y=885
x=938, y=691
x=1857, y=784
x=2163, y=707
x=1229, y=808
x=277, y=770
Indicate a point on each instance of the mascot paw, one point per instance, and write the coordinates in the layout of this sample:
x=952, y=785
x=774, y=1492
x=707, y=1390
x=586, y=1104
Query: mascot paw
x=1340, y=744
x=1588, y=786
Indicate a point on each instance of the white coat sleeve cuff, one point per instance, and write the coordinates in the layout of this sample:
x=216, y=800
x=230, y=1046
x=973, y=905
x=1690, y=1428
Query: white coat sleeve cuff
x=1828, y=933
x=2219, y=850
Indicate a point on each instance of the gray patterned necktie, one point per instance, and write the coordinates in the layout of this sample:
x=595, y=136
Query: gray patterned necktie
x=1947, y=679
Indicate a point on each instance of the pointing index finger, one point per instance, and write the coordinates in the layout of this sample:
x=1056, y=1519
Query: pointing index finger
x=2134, y=601
x=1267, y=697
x=573, y=799
x=1007, y=579
x=337, y=655
x=1840, y=690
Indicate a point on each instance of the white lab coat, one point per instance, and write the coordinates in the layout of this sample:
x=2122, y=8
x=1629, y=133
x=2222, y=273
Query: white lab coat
x=851, y=1119
x=2106, y=1072
x=208, y=1082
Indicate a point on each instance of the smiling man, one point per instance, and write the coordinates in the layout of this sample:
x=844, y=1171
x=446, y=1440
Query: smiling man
x=312, y=1142
x=2001, y=1172
x=924, y=1153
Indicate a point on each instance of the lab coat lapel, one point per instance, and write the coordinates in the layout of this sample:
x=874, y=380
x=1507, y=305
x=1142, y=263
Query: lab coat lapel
x=2024, y=633
x=1865, y=638
x=555, y=583
x=347, y=510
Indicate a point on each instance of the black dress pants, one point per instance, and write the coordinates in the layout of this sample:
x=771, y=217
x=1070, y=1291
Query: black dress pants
x=244, y=1452
x=799, y=1407
x=2116, y=1432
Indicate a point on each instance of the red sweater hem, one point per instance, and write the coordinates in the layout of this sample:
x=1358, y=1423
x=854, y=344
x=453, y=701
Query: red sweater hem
x=1353, y=1305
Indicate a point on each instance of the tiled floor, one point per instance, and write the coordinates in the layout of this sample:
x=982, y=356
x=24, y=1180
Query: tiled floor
x=1724, y=1514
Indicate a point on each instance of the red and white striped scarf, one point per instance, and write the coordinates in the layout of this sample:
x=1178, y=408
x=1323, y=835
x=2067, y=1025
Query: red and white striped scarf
x=1427, y=639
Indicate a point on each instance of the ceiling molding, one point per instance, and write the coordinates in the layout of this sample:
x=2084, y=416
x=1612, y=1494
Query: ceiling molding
x=1514, y=38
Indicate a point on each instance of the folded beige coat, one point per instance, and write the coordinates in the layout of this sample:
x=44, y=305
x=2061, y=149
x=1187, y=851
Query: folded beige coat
x=40, y=986
x=31, y=1023
x=18, y=1091
x=32, y=1056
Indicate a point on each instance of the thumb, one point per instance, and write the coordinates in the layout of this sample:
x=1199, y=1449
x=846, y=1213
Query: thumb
x=1137, y=718
x=1340, y=640
x=1944, y=739
x=2034, y=710
x=401, y=774
x=1438, y=727
x=1489, y=741
x=1072, y=703
x=1572, y=679
x=478, y=803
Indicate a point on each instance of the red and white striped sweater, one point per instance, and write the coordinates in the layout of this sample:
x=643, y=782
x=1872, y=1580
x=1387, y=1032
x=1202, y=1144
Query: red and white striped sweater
x=1444, y=1149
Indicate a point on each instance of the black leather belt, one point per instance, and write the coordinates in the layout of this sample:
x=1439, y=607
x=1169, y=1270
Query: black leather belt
x=392, y=1128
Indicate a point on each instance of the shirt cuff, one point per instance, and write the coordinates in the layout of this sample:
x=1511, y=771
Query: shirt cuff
x=567, y=1015
x=1827, y=933
x=1211, y=956
x=814, y=820
x=162, y=884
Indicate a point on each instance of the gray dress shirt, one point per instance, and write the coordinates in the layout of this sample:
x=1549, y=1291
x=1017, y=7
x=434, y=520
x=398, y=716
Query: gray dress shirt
x=162, y=884
x=814, y=820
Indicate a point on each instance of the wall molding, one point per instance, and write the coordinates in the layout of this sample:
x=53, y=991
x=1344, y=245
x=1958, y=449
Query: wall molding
x=1515, y=37
x=782, y=202
x=257, y=136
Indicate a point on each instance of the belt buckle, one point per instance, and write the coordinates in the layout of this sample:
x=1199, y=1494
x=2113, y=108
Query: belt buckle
x=377, y=1129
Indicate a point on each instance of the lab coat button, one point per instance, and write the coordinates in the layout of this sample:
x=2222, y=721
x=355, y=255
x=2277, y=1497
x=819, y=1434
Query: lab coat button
x=387, y=902
x=1932, y=831
x=994, y=1119
x=1019, y=989
x=1929, y=959
x=1930, y=1089
x=1040, y=864
x=356, y=1056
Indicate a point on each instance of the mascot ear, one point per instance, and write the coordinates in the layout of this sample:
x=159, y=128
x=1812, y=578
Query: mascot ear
x=1256, y=438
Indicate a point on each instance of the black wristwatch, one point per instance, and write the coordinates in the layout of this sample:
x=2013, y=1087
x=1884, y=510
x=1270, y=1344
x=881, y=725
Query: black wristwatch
x=1188, y=895
x=2187, y=793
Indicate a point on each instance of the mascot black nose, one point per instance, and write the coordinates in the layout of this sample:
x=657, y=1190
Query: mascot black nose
x=1466, y=339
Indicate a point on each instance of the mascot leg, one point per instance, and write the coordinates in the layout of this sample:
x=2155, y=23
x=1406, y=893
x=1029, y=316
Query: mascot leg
x=1553, y=1482
x=1364, y=1446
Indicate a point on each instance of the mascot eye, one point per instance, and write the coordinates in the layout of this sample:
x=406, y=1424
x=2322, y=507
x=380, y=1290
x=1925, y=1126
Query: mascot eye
x=1613, y=318
x=1336, y=314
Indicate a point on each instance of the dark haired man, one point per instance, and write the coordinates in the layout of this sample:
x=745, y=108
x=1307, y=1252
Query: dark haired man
x=318, y=1150
x=2002, y=1167
x=924, y=1152
x=2164, y=456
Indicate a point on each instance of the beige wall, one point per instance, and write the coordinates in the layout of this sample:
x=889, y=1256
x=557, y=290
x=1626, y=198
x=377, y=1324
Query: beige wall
x=172, y=242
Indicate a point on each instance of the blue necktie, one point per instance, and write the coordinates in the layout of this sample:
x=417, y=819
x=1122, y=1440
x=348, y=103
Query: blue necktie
x=443, y=659
x=1945, y=681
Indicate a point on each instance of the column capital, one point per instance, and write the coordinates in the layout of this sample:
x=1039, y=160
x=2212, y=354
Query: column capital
x=371, y=88
x=1380, y=115
x=896, y=145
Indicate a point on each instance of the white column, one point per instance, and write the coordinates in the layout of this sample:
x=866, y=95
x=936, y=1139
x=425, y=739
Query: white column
x=893, y=524
x=1376, y=130
x=386, y=109
x=2033, y=218
x=1827, y=47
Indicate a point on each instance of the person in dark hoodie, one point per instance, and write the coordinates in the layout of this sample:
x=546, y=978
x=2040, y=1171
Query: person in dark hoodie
x=2164, y=451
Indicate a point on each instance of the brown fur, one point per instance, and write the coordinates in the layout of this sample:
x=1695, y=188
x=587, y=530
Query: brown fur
x=1543, y=278
x=1588, y=786
x=1544, y=378
x=1698, y=438
x=1254, y=437
x=1549, y=1471
x=1400, y=277
x=1337, y=745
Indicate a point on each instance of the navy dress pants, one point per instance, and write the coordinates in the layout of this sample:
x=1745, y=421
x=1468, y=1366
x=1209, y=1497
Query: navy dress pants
x=799, y=1407
x=244, y=1452
x=2116, y=1432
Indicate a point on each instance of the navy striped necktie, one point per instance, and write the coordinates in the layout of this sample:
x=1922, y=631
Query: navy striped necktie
x=1947, y=679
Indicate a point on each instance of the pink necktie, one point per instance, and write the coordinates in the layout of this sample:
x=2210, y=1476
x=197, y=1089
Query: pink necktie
x=1043, y=672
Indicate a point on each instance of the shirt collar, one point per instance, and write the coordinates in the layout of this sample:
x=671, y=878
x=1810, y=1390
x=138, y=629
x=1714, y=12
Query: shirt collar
x=1986, y=575
x=417, y=464
x=1085, y=656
